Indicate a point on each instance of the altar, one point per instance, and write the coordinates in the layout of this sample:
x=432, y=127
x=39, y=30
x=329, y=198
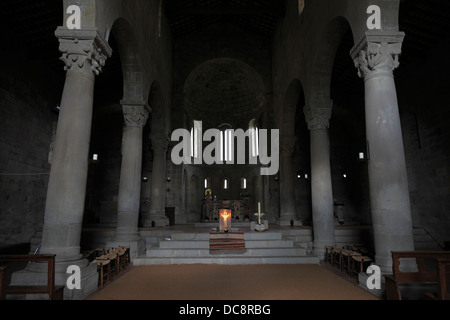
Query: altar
x=240, y=209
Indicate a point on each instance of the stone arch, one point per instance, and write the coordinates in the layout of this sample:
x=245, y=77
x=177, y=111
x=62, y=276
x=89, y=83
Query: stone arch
x=294, y=93
x=131, y=60
x=319, y=93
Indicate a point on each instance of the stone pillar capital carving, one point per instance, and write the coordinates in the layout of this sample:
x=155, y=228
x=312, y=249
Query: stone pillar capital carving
x=377, y=51
x=318, y=118
x=287, y=145
x=135, y=115
x=84, y=50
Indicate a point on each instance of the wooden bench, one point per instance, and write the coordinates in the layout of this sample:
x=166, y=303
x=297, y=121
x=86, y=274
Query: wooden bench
x=427, y=273
x=443, y=286
x=54, y=292
x=2, y=282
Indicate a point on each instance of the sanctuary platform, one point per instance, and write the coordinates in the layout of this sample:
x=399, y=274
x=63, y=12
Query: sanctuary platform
x=190, y=244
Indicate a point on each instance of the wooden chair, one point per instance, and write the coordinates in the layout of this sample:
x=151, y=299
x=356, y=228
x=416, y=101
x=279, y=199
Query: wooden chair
x=104, y=270
x=346, y=256
x=328, y=253
x=98, y=252
x=361, y=261
x=115, y=266
x=121, y=258
x=336, y=256
x=127, y=254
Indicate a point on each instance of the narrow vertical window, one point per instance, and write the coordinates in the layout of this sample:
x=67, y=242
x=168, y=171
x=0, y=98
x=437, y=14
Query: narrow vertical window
x=254, y=138
x=226, y=143
x=192, y=143
x=243, y=183
x=196, y=135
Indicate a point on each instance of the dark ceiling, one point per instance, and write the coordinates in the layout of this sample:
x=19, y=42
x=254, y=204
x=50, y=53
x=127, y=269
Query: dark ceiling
x=27, y=29
x=427, y=27
x=260, y=16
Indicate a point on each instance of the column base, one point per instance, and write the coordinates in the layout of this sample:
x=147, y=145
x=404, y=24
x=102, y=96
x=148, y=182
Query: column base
x=156, y=220
x=319, y=248
x=290, y=223
x=137, y=246
x=36, y=275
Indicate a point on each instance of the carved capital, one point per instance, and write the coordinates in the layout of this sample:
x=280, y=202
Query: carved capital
x=85, y=49
x=287, y=145
x=318, y=118
x=135, y=115
x=377, y=51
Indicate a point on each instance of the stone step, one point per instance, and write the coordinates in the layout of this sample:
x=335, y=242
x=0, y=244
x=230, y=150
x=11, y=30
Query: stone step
x=224, y=260
x=247, y=236
x=199, y=244
x=205, y=253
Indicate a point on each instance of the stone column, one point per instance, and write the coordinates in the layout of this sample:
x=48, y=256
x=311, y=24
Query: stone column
x=157, y=215
x=287, y=184
x=321, y=185
x=127, y=233
x=376, y=57
x=84, y=53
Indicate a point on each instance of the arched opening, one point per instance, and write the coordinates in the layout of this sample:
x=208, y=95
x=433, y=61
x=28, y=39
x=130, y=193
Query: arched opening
x=120, y=82
x=228, y=95
x=294, y=125
x=347, y=138
x=106, y=142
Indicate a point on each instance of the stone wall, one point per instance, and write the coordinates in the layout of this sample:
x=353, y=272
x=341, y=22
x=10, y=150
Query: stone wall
x=27, y=106
x=423, y=100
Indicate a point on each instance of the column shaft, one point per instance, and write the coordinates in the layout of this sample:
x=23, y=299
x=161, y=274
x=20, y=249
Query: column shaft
x=321, y=191
x=130, y=185
x=157, y=214
x=67, y=184
x=376, y=58
x=287, y=185
x=128, y=207
x=389, y=193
